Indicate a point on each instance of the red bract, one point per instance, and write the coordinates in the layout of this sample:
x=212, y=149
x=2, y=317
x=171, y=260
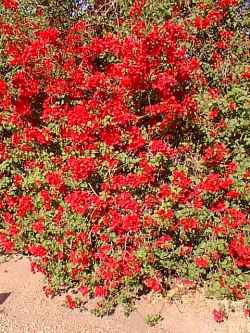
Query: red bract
x=84, y=290
x=6, y=244
x=70, y=302
x=153, y=284
x=78, y=201
x=48, y=35
x=201, y=262
x=81, y=168
x=38, y=226
x=189, y=224
x=46, y=199
x=136, y=9
x=240, y=251
x=215, y=154
x=247, y=312
x=100, y=291
x=37, y=250
x=54, y=179
x=25, y=205
x=10, y=4
x=3, y=88
x=219, y=315
x=227, y=3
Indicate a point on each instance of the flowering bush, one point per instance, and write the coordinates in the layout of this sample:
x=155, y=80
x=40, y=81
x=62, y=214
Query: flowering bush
x=124, y=153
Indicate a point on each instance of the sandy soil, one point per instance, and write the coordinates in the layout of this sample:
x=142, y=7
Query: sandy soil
x=24, y=309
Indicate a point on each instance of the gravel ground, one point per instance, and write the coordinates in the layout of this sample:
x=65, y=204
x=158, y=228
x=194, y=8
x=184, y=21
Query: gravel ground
x=24, y=309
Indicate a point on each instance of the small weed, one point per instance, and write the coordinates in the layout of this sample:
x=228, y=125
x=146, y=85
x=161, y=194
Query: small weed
x=153, y=319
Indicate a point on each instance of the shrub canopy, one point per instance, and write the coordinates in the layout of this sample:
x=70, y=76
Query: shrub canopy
x=124, y=153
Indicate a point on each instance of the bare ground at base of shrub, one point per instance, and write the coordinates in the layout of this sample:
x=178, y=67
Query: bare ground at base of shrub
x=25, y=309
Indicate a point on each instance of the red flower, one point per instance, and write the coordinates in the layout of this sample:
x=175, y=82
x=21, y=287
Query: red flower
x=81, y=168
x=126, y=201
x=37, y=250
x=49, y=35
x=84, y=290
x=131, y=223
x=247, y=313
x=180, y=179
x=38, y=226
x=111, y=138
x=246, y=74
x=237, y=293
x=232, y=106
x=214, y=92
x=214, y=113
x=218, y=315
x=25, y=206
x=188, y=283
x=218, y=206
x=100, y=291
x=166, y=215
x=78, y=201
x=10, y=4
x=189, y=223
x=198, y=202
x=233, y=194
x=136, y=9
x=3, y=87
x=48, y=291
x=227, y=3
x=54, y=179
x=231, y=167
x=164, y=191
x=201, y=262
x=247, y=286
x=215, y=154
x=198, y=23
x=17, y=179
x=240, y=251
x=7, y=245
x=46, y=199
x=153, y=283
x=70, y=302
x=13, y=230
x=164, y=241
x=3, y=154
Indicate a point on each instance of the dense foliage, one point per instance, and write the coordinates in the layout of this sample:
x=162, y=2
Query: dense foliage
x=124, y=152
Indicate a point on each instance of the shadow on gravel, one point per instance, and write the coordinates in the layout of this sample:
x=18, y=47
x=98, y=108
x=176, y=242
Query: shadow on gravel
x=3, y=297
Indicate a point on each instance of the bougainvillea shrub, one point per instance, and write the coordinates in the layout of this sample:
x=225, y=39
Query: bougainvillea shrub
x=124, y=152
